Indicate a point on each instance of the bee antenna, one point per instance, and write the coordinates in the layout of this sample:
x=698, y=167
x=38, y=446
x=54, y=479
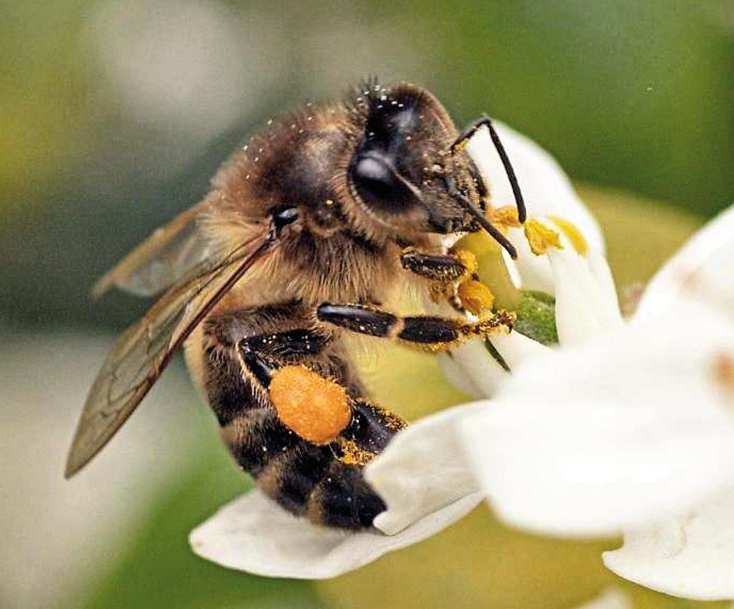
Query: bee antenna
x=506, y=163
x=479, y=216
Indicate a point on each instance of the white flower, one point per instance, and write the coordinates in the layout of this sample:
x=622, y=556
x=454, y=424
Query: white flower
x=629, y=431
x=253, y=534
x=577, y=274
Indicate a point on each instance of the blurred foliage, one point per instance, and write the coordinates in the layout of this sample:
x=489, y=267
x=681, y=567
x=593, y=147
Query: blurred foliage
x=628, y=95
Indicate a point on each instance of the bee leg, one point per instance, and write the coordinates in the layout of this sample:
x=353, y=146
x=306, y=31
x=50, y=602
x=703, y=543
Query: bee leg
x=254, y=372
x=331, y=436
x=431, y=333
x=441, y=268
x=453, y=277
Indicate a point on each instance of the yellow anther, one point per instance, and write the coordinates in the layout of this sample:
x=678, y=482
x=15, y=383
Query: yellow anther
x=468, y=260
x=541, y=238
x=475, y=297
x=505, y=217
x=575, y=236
x=493, y=271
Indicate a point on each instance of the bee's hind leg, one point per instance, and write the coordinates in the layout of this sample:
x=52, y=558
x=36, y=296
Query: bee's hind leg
x=337, y=434
x=266, y=370
x=368, y=426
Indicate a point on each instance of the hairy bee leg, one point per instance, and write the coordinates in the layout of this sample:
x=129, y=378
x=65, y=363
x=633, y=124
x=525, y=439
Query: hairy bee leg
x=430, y=332
x=442, y=268
x=320, y=481
x=370, y=427
x=324, y=481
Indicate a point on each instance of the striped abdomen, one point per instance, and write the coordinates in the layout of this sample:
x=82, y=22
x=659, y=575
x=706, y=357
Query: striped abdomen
x=321, y=482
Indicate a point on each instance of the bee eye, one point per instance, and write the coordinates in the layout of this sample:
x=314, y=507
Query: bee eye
x=378, y=182
x=285, y=216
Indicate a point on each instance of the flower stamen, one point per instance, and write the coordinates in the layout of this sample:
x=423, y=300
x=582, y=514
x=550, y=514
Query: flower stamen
x=505, y=217
x=475, y=297
x=575, y=236
x=541, y=238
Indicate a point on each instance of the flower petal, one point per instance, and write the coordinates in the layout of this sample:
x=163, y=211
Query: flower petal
x=611, y=598
x=471, y=368
x=255, y=535
x=702, y=265
x=586, y=301
x=618, y=431
x=423, y=469
x=545, y=187
x=690, y=556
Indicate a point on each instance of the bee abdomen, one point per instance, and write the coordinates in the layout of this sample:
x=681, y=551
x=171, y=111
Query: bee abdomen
x=305, y=479
x=344, y=499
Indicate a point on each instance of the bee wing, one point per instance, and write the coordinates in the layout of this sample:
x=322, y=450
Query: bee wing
x=143, y=351
x=162, y=259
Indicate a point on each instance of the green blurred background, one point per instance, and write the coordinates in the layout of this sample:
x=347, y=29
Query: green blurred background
x=113, y=117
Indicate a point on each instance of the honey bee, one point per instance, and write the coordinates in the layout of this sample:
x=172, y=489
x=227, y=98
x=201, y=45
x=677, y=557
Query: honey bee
x=305, y=233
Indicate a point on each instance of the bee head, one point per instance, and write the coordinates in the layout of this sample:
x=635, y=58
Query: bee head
x=405, y=170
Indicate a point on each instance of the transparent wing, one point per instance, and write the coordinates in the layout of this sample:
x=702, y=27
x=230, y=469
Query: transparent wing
x=143, y=351
x=162, y=259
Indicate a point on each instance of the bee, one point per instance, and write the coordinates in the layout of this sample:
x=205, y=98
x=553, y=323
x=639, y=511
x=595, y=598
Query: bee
x=305, y=233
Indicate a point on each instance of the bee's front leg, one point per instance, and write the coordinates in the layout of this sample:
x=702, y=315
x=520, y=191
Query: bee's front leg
x=441, y=268
x=453, y=278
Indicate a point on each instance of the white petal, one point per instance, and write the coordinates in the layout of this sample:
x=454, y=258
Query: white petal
x=471, y=368
x=618, y=431
x=690, y=556
x=423, y=469
x=703, y=264
x=611, y=598
x=586, y=301
x=535, y=272
x=609, y=310
x=546, y=188
x=576, y=315
x=255, y=535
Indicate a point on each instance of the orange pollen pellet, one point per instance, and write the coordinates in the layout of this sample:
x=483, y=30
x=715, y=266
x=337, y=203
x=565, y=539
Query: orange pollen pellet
x=313, y=407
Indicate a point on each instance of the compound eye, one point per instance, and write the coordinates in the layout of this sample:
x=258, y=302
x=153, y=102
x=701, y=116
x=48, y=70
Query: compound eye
x=285, y=216
x=378, y=182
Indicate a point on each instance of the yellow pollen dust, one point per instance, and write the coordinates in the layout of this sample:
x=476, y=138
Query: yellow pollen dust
x=468, y=259
x=505, y=217
x=575, y=236
x=541, y=238
x=353, y=454
x=475, y=297
x=461, y=145
x=313, y=407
